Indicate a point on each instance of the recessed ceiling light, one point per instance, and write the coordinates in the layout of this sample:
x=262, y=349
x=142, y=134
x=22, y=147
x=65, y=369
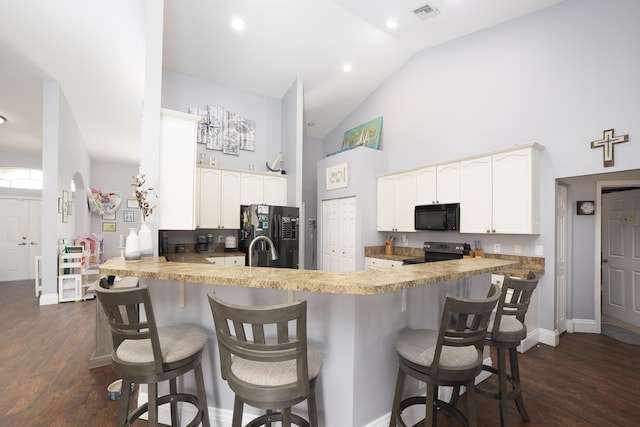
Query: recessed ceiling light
x=237, y=24
x=2, y=119
x=347, y=68
x=391, y=24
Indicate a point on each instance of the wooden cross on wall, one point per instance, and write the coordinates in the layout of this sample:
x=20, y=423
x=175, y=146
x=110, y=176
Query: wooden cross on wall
x=606, y=143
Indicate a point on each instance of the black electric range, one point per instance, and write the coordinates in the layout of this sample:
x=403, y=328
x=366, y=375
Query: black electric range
x=440, y=251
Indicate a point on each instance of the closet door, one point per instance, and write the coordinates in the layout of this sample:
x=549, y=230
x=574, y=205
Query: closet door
x=19, y=239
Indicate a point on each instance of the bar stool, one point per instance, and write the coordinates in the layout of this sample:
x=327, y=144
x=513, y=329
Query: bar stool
x=449, y=356
x=506, y=330
x=266, y=361
x=146, y=354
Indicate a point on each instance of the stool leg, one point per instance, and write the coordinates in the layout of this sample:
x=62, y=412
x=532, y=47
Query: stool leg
x=431, y=414
x=153, y=404
x=286, y=417
x=502, y=386
x=202, y=396
x=237, y=412
x=471, y=403
x=515, y=377
x=123, y=406
x=397, y=397
x=173, y=390
x=313, y=409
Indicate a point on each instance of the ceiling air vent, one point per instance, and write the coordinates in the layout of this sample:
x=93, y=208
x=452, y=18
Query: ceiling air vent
x=425, y=12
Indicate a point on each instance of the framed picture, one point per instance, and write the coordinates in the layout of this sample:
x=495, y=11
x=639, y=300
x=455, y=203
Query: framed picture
x=65, y=206
x=367, y=135
x=586, y=207
x=127, y=216
x=109, y=226
x=109, y=216
x=132, y=204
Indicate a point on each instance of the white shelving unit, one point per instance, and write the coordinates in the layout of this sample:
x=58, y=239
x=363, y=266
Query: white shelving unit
x=74, y=276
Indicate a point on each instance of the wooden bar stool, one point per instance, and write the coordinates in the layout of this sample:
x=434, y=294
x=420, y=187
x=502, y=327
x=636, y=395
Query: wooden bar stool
x=146, y=354
x=450, y=356
x=506, y=330
x=265, y=359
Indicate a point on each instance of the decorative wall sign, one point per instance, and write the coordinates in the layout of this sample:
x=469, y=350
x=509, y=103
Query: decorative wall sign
x=606, y=143
x=225, y=131
x=336, y=177
x=367, y=135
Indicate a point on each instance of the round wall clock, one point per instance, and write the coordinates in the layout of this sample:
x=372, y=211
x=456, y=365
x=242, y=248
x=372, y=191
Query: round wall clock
x=586, y=207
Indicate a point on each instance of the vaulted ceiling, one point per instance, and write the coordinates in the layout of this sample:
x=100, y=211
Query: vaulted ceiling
x=96, y=51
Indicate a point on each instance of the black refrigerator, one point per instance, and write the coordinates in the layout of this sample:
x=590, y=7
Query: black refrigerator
x=278, y=223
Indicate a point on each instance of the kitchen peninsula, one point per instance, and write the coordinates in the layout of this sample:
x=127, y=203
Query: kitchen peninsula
x=353, y=320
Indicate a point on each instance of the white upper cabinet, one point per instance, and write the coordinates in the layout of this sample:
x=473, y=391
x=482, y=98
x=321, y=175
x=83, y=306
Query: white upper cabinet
x=218, y=198
x=438, y=184
x=268, y=189
x=177, y=180
x=500, y=193
x=396, y=202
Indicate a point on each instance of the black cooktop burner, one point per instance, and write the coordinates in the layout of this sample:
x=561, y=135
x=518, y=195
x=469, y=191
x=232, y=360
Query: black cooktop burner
x=440, y=251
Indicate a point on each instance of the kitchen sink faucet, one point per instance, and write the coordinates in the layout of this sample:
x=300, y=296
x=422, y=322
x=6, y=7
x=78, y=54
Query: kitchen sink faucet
x=274, y=254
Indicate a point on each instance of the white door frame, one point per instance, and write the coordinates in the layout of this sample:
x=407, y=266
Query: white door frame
x=562, y=314
x=598, y=246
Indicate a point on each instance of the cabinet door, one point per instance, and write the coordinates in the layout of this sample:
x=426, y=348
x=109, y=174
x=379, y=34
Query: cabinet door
x=386, y=203
x=209, y=198
x=234, y=260
x=330, y=243
x=230, y=200
x=275, y=190
x=346, y=222
x=405, y=201
x=512, y=192
x=448, y=183
x=426, y=186
x=475, y=195
x=251, y=189
x=177, y=160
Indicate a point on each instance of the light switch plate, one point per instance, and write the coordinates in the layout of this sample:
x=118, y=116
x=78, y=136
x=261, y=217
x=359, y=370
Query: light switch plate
x=538, y=250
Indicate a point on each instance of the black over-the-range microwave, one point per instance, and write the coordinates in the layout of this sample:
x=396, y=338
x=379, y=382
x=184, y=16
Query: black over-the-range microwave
x=438, y=217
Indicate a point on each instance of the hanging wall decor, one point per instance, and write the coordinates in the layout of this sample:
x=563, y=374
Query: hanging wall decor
x=225, y=131
x=606, y=143
x=101, y=203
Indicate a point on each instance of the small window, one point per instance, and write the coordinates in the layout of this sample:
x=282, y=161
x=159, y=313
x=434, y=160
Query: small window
x=21, y=178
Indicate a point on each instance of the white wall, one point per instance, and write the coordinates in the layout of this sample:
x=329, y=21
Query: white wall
x=558, y=77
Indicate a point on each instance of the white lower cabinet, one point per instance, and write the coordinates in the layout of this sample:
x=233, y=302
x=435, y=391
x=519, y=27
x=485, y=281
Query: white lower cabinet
x=226, y=260
x=371, y=263
x=500, y=193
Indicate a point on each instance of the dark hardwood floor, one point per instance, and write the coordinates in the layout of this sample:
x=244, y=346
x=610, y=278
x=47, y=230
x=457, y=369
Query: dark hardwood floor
x=588, y=380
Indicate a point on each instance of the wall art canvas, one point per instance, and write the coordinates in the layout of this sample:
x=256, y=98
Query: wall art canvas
x=367, y=135
x=224, y=130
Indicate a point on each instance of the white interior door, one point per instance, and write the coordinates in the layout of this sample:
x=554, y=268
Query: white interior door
x=621, y=255
x=561, y=258
x=14, y=239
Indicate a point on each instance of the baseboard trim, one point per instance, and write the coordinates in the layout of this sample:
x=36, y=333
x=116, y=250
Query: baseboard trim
x=585, y=325
x=48, y=299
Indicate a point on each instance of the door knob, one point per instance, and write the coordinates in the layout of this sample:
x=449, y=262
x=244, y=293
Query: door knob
x=22, y=244
x=33, y=243
x=605, y=260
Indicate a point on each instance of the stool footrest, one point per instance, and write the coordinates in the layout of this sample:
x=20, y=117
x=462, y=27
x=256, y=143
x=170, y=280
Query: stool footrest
x=440, y=404
x=277, y=416
x=169, y=398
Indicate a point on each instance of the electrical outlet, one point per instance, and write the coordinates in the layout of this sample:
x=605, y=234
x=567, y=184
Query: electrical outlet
x=517, y=249
x=221, y=239
x=496, y=247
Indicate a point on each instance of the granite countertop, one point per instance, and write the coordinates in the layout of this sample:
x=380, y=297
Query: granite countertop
x=525, y=263
x=364, y=282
